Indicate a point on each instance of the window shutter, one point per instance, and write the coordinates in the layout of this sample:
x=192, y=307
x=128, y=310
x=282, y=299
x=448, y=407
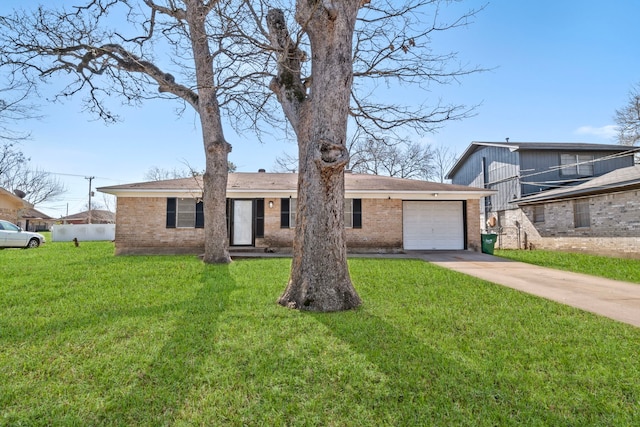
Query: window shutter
x=284, y=213
x=357, y=213
x=171, y=212
x=200, y=214
x=259, y=217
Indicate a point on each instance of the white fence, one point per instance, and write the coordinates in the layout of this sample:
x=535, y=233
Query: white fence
x=82, y=232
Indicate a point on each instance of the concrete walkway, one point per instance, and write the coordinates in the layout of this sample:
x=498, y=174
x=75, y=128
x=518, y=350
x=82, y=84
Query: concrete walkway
x=610, y=298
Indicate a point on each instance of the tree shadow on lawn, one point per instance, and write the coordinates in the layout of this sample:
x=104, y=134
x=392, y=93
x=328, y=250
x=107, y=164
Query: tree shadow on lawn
x=429, y=385
x=158, y=394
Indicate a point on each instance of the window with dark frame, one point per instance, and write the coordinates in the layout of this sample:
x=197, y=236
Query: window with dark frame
x=581, y=216
x=352, y=213
x=189, y=213
x=348, y=213
x=576, y=164
x=184, y=213
x=538, y=214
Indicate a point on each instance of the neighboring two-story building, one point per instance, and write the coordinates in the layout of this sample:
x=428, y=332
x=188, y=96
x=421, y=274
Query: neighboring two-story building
x=519, y=171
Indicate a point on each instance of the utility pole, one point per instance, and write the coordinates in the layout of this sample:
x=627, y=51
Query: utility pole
x=90, y=178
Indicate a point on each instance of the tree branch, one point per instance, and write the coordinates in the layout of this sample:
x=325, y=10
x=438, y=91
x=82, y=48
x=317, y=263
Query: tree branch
x=288, y=84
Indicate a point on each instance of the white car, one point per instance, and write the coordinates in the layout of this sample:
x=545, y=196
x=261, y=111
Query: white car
x=12, y=236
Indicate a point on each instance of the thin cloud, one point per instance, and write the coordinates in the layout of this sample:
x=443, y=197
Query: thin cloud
x=608, y=131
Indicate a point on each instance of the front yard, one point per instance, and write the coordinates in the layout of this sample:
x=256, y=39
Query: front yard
x=87, y=338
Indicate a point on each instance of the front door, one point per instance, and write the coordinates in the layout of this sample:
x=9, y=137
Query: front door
x=242, y=223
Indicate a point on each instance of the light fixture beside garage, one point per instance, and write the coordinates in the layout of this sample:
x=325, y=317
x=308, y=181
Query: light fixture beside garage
x=435, y=194
x=270, y=204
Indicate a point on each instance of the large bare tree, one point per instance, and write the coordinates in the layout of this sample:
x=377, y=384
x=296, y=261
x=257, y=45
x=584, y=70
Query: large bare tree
x=392, y=158
x=319, y=278
x=143, y=49
x=443, y=160
x=628, y=119
x=391, y=43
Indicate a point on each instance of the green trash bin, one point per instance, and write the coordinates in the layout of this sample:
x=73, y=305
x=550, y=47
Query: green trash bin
x=488, y=243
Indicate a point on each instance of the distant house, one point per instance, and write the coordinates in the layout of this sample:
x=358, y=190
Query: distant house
x=33, y=220
x=601, y=215
x=381, y=214
x=11, y=206
x=518, y=170
x=95, y=216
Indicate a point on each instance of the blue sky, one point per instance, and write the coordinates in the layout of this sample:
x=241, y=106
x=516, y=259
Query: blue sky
x=560, y=68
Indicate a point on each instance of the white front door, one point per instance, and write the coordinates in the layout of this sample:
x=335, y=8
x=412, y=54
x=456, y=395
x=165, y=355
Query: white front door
x=242, y=222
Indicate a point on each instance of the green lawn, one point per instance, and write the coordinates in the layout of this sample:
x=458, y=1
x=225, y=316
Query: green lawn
x=91, y=339
x=627, y=270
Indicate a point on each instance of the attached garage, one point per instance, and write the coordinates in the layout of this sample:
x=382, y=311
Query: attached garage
x=430, y=225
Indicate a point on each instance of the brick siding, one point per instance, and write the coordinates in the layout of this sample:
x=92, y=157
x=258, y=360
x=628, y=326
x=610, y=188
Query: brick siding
x=141, y=228
x=473, y=228
x=10, y=215
x=614, y=226
x=8, y=210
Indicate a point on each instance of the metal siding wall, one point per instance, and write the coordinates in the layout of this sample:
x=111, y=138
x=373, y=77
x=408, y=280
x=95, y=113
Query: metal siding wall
x=509, y=172
x=535, y=162
x=471, y=172
x=503, y=167
x=605, y=166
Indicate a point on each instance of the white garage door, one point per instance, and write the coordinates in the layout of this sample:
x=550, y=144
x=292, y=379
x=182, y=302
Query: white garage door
x=433, y=225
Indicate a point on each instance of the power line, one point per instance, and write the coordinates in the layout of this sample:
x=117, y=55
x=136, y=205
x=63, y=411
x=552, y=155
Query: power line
x=82, y=176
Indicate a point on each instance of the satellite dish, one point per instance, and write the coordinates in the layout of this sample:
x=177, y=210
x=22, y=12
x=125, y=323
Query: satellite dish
x=20, y=193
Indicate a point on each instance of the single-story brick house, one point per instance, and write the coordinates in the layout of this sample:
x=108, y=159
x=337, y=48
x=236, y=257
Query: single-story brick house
x=382, y=214
x=601, y=215
x=95, y=216
x=33, y=220
x=15, y=209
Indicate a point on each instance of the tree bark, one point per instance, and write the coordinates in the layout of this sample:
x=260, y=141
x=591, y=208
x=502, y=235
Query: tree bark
x=216, y=149
x=319, y=278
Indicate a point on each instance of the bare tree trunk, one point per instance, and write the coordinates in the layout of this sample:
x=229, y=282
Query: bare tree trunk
x=319, y=278
x=216, y=248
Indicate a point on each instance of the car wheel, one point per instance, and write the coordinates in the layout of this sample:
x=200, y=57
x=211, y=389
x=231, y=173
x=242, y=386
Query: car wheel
x=33, y=243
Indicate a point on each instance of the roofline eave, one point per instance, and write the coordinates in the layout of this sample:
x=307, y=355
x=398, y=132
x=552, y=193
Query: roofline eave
x=363, y=194
x=579, y=194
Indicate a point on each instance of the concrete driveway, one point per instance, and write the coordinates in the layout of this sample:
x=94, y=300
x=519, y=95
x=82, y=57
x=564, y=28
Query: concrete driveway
x=610, y=298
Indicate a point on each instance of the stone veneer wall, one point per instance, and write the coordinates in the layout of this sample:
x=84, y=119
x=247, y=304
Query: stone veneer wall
x=614, y=230
x=141, y=228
